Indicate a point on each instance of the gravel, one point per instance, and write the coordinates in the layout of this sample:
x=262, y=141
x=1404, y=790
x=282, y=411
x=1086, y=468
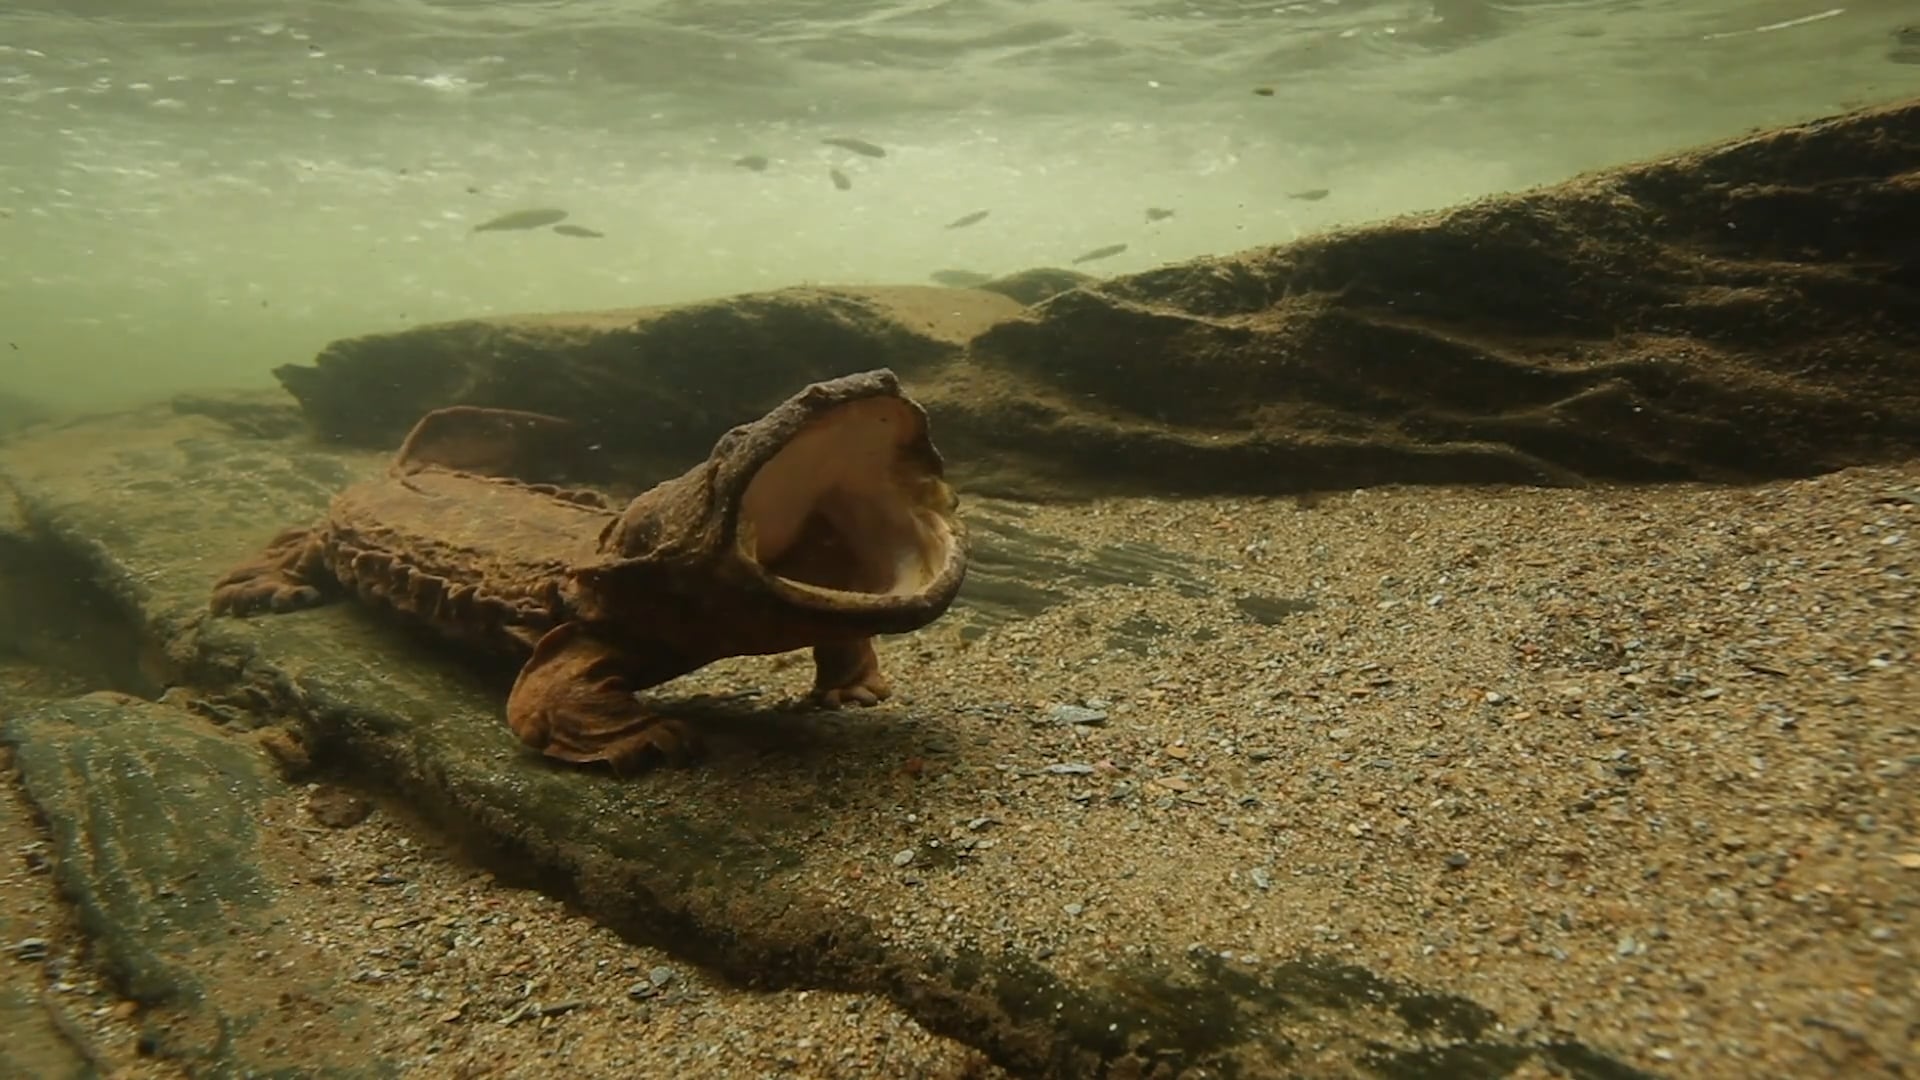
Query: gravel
x=1638, y=779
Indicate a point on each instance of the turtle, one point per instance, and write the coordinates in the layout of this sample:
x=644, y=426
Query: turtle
x=822, y=524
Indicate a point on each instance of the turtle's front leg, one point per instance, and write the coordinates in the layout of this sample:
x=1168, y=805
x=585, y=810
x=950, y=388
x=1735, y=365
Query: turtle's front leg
x=291, y=574
x=574, y=701
x=848, y=673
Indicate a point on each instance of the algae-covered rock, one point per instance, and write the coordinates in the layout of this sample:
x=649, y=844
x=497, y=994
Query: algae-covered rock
x=155, y=820
x=1738, y=312
x=646, y=381
x=153, y=823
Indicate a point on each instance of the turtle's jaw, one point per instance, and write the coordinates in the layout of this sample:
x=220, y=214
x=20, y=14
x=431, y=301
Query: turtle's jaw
x=851, y=515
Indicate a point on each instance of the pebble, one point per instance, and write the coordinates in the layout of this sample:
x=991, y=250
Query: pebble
x=657, y=979
x=904, y=856
x=1070, y=768
x=1457, y=860
x=1076, y=714
x=1260, y=878
x=33, y=948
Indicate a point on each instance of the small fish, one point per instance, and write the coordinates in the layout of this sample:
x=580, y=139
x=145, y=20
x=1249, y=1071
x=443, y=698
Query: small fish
x=970, y=219
x=1310, y=195
x=960, y=279
x=521, y=219
x=1096, y=254
x=858, y=146
x=1263, y=91
x=1158, y=213
x=577, y=230
x=840, y=179
x=752, y=162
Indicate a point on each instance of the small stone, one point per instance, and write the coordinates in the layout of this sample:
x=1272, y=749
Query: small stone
x=1626, y=946
x=1178, y=752
x=1457, y=860
x=1260, y=878
x=1076, y=714
x=660, y=975
x=904, y=856
x=30, y=949
x=1908, y=860
x=1070, y=768
x=1074, y=909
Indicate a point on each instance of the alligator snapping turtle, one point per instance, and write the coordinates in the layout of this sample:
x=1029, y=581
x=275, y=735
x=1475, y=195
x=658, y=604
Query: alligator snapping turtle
x=821, y=524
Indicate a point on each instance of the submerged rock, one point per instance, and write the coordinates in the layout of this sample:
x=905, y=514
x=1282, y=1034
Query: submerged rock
x=647, y=382
x=156, y=819
x=1738, y=312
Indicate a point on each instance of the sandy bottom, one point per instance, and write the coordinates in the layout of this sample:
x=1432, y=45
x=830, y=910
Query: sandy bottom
x=1637, y=765
x=430, y=962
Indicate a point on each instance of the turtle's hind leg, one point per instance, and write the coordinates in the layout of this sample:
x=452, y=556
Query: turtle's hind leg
x=291, y=574
x=530, y=447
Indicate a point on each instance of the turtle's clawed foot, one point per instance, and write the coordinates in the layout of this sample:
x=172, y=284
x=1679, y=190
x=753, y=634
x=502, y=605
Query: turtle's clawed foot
x=660, y=740
x=574, y=702
x=848, y=673
x=282, y=579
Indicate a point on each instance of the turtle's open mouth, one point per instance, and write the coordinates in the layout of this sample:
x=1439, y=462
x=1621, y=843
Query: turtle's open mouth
x=855, y=503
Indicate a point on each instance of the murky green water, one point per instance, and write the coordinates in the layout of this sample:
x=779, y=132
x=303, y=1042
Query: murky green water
x=192, y=193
